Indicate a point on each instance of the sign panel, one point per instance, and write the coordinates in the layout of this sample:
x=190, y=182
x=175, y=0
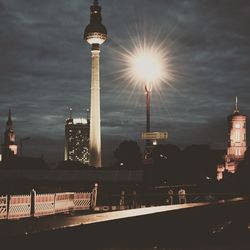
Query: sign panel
x=154, y=135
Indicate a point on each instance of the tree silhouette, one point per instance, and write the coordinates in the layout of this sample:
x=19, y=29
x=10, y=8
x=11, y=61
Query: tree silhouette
x=128, y=155
x=166, y=158
x=243, y=174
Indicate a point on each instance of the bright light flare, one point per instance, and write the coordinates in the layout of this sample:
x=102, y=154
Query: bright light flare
x=147, y=66
x=144, y=61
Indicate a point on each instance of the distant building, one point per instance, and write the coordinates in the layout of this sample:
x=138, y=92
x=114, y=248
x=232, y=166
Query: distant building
x=77, y=140
x=237, y=145
x=9, y=147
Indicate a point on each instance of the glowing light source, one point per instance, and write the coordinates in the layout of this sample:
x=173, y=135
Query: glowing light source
x=146, y=63
x=147, y=66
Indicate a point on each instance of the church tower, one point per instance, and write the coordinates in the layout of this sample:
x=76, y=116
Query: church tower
x=237, y=144
x=9, y=147
x=236, y=137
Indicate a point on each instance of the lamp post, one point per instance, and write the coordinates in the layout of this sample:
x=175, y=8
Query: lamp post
x=148, y=90
x=147, y=64
x=147, y=67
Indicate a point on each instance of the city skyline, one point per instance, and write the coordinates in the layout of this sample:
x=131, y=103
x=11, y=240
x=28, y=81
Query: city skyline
x=44, y=52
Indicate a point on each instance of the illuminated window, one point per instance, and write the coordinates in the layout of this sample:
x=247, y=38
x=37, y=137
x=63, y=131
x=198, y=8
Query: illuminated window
x=237, y=125
x=237, y=136
x=237, y=151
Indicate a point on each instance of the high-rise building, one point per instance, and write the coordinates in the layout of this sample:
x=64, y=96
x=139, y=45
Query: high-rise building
x=237, y=144
x=95, y=34
x=9, y=147
x=77, y=140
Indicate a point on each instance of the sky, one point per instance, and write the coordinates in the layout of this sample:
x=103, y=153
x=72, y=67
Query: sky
x=45, y=69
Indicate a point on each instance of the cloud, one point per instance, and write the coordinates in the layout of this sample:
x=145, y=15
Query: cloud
x=45, y=68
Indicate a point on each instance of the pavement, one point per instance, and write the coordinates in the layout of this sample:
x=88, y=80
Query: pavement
x=27, y=226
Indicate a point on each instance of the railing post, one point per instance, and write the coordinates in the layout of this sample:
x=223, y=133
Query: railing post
x=94, y=197
x=8, y=205
x=122, y=200
x=134, y=201
x=54, y=202
x=32, y=202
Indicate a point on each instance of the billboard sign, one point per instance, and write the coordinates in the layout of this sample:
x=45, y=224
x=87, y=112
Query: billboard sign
x=154, y=135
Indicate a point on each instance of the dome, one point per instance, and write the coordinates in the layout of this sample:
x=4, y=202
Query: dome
x=95, y=33
x=95, y=28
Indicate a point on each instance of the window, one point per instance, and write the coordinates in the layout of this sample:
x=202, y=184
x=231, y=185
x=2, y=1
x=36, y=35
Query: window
x=237, y=151
x=237, y=135
x=237, y=125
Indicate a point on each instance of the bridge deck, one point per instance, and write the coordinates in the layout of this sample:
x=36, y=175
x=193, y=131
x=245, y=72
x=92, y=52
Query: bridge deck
x=22, y=227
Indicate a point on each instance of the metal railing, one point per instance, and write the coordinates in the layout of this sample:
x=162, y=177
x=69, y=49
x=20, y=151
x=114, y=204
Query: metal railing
x=37, y=205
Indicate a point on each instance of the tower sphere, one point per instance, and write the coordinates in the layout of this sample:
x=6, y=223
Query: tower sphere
x=95, y=32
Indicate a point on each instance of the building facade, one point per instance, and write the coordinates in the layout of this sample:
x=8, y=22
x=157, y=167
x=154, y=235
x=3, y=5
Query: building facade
x=9, y=147
x=77, y=140
x=237, y=144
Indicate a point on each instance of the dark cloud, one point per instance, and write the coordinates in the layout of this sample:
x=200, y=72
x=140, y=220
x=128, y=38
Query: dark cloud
x=45, y=68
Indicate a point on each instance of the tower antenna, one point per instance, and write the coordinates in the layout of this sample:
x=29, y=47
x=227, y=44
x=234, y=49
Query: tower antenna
x=236, y=105
x=70, y=113
x=9, y=122
x=9, y=114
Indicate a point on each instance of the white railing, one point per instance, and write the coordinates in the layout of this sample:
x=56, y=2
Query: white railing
x=82, y=201
x=64, y=202
x=3, y=207
x=20, y=206
x=44, y=204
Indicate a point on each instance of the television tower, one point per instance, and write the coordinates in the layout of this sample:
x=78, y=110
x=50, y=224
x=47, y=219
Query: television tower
x=95, y=34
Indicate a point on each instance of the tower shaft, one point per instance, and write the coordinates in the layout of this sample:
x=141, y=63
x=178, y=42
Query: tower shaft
x=147, y=111
x=95, y=122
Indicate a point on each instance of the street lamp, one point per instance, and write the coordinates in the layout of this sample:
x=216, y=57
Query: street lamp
x=147, y=65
